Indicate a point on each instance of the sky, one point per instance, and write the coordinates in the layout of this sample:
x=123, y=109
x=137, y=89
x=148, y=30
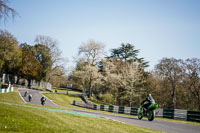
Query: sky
x=158, y=28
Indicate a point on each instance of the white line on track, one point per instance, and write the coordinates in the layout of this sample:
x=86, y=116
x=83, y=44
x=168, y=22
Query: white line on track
x=22, y=97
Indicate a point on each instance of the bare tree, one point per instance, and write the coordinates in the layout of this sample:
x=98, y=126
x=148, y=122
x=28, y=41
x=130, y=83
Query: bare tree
x=123, y=77
x=192, y=81
x=88, y=76
x=171, y=69
x=87, y=72
x=91, y=51
x=6, y=11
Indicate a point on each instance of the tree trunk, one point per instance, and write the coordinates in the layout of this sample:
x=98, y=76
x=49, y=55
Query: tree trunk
x=173, y=95
x=130, y=102
x=173, y=98
x=29, y=83
x=115, y=97
x=90, y=87
x=199, y=104
x=90, y=91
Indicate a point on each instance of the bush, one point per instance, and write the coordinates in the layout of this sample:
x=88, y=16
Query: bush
x=106, y=98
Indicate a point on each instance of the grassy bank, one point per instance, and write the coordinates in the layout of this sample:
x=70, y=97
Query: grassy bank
x=62, y=99
x=12, y=97
x=65, y=90
x=16, y=118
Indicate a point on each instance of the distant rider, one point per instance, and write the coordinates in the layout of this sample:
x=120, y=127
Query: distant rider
x=30, y=97
x=26, y=93
x=147, y=102
x=43, y=99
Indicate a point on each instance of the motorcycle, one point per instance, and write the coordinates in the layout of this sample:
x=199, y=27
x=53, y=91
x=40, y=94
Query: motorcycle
x=43, y=100
x=149, y=113
x=26, y=93
x=30, y=98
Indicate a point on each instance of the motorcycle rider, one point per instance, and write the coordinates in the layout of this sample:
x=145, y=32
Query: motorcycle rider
x=30, y=97
x=147, y=102
x=43, y=99
x=26, y=92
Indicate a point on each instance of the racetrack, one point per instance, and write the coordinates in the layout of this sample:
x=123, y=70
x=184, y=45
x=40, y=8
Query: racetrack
x=169, y=127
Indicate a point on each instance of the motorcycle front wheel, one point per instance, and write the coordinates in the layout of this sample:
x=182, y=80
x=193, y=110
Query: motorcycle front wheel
x=140, y=115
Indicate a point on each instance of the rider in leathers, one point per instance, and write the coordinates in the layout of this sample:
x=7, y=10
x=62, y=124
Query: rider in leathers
x=147, y=102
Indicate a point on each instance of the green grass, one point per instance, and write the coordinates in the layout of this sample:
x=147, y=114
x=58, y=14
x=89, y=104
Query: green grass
x=12, y=97
x=75, y=92
x=32, y=120
x=58, y=90
x=15, y=88
x=64, y=90
x=23, y=119
x=62, y=99
x=38, y=88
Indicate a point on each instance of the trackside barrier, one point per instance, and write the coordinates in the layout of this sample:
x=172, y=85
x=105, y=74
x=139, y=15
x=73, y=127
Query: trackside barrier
x=193, y=116
x=106, y=107
x=8, y=89
x=134, y=111
x=102, y=107
x=109, y=108
x=159, y=112
x=95, y=107
x=168, y=113
x=177, y=114
x=180, y=114
x=127, y=110
x=116, y=108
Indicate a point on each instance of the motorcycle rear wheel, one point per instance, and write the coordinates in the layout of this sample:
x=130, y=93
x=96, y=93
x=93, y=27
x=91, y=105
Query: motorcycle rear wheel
x=151, y=115
x=140, y=115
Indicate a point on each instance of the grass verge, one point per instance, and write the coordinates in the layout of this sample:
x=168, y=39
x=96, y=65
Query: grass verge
x=65, y=90
x=12, y=97
x=23, y=119
x=62, y=99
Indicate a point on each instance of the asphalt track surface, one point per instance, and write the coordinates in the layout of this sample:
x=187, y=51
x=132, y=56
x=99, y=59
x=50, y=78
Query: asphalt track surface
x=169, y=127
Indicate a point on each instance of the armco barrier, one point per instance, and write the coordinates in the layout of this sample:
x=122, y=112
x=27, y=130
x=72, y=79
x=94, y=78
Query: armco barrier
x=5, y=90
x=193, y=116
x=180, y=114
x=165, y=113
x=134, y=111
x=102, y=107
x=121, y=110
x=159, y=112
x=127, y=110
x=95, y=106
x=111, y=108
x=168, y=113
x=106, y=107
x=116, y=108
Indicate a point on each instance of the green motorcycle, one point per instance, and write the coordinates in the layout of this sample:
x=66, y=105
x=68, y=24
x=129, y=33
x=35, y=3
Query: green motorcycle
x=149, y=113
